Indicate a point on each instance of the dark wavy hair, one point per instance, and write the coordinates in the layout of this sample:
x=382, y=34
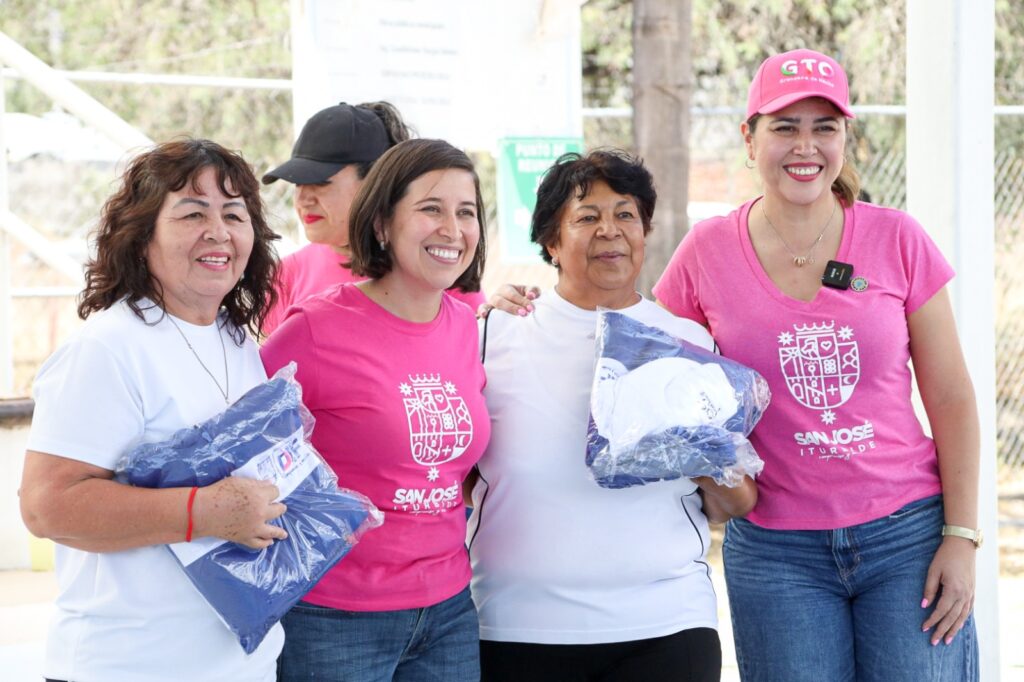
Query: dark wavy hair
x=128, y=220
x=573, y=174
x=385, y=186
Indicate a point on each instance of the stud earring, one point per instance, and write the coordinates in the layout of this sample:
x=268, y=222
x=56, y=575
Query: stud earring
x=383, y=245
x=554, y=261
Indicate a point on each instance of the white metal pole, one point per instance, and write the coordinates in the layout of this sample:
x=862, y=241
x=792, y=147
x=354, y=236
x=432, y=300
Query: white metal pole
x=174, y=79
x=88, y=110
x=950, y=189
x=69, y=96
x=13, y=226
x=6, y=312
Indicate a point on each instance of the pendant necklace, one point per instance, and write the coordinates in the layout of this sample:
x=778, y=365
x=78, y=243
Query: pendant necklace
x=220, y=335
x=808, y=257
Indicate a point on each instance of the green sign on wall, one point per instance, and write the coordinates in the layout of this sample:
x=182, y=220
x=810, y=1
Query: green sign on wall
x=521, y=165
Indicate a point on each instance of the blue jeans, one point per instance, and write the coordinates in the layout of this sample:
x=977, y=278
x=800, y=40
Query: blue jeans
x=439, y=642
x=841, y=604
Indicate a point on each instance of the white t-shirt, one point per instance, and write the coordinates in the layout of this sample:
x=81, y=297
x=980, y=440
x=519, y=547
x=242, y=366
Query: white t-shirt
x=133, y=615
x=556, y=558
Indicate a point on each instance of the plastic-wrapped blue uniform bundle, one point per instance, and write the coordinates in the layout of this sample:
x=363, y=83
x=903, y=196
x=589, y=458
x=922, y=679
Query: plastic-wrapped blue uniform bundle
x=662, y=408
x=263, y=435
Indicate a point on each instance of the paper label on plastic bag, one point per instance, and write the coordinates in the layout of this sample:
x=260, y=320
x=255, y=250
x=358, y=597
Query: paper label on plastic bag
x=285, y=465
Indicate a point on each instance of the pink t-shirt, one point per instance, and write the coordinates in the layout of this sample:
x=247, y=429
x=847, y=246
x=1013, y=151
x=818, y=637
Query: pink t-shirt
x=317, y=267
x=400, y=416
x=841, y=442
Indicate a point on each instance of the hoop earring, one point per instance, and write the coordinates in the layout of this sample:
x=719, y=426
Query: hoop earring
x=554, y=261
x=749, y=163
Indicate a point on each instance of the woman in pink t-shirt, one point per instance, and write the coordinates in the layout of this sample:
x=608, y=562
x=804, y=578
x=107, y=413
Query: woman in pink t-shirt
x=332, y=155
x=844, y=569
x=390, y=369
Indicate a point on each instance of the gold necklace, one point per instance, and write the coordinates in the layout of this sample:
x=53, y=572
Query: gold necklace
x=808, y=257
x=227, y=379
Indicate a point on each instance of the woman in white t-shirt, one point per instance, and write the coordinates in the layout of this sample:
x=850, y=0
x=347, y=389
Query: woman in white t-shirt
x=573, y=581
x=181, y=277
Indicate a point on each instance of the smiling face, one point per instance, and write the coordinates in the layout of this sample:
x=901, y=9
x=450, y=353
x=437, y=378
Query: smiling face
x=600, y=248
x=200, y=247
x=434, y=231
x=323, y=209
x=799, y=151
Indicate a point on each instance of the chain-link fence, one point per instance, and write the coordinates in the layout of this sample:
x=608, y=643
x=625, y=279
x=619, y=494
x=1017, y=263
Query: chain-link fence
x=1009, y=236
x=1009, y=288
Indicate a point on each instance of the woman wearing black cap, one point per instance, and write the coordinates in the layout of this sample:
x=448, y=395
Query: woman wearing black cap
x=332, y=156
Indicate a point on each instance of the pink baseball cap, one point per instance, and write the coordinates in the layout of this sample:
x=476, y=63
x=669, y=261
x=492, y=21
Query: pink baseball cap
x=792, y=76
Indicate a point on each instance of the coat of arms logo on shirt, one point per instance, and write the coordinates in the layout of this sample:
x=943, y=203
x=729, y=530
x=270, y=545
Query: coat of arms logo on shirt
x=821, y=366
x=440, y=428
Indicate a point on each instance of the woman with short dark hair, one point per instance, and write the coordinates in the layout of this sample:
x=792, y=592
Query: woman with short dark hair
x=574, y=581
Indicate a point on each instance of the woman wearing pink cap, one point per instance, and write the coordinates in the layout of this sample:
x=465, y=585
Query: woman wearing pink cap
x=857, y=561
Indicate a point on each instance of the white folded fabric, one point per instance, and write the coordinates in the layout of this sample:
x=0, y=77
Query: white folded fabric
x=659, y=395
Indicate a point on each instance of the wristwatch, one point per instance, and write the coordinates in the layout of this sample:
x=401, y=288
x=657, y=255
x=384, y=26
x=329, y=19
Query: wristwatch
x=974, y=536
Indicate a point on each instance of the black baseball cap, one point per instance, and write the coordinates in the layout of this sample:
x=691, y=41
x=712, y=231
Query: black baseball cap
x=332, y=139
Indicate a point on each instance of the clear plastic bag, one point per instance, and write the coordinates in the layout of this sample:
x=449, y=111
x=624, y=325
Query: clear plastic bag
x=263, y=435
x=662, y=408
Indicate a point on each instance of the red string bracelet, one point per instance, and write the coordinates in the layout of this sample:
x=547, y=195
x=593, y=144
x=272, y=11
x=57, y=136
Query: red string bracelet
x=191, y=499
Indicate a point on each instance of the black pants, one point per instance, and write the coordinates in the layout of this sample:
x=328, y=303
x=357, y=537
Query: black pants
x=688, y=656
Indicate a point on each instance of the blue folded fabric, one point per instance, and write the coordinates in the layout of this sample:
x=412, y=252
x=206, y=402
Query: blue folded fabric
x=644, y=448
x=263, y=435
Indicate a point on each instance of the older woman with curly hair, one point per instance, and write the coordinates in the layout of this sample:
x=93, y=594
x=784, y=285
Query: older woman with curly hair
x=181, y=276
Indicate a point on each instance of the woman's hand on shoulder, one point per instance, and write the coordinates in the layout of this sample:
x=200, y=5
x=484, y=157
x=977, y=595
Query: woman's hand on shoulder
x=514, y=299
x=239, y=510
x=951, y=577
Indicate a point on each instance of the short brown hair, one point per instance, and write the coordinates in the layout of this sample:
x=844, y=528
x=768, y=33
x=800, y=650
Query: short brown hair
x=386, y=184
x=128, y=220
x=572, y=175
